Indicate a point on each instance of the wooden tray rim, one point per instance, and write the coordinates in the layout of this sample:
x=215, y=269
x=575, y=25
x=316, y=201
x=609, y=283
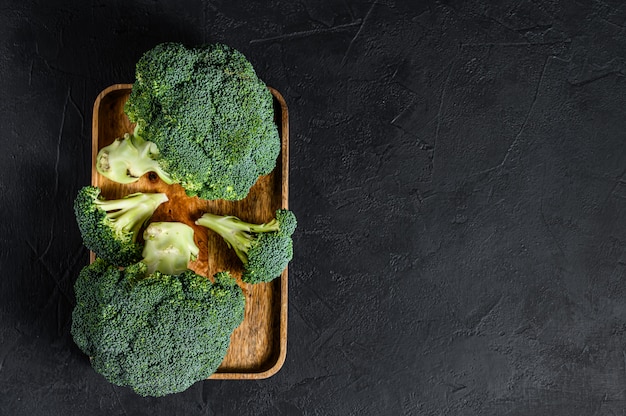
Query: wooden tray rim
x=282, y=347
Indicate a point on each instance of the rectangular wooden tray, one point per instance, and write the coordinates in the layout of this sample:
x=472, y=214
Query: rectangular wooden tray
x=258, y=345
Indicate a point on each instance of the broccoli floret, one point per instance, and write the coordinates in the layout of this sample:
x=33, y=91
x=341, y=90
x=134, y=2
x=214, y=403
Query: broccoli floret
x=129, y=158
x=210, y=116
x=264, y=249
x=110, y=227
x=153, y=332
x=168, y=247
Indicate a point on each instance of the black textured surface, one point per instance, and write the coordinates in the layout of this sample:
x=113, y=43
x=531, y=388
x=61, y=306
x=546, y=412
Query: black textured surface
x=458, y=170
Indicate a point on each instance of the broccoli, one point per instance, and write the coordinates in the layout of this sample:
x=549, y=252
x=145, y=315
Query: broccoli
x=128, y=158
x=155, y=333
x=168, y=247
x=110, y=228
x=209, y=115
x=264, y=249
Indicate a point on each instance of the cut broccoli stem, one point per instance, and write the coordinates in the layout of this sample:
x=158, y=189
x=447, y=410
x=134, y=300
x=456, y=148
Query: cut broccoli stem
x=236, y=233
x=129, y=158
x=169, y=247
x=130, y=213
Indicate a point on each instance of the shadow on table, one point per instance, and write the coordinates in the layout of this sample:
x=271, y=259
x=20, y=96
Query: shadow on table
x=62, y=55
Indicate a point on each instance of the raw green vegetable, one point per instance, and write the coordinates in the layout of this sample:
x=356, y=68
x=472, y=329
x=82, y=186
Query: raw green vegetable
x=155, y=333
x=208, y=114
x=110, y=228
x=264, y=249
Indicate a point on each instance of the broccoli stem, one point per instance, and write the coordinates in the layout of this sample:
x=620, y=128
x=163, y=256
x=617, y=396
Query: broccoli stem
x=236, y=233
x=130, y=213
x=128, y=158
x=169, y=247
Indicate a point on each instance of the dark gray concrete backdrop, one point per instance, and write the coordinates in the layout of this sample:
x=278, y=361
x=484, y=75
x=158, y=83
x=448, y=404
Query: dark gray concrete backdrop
x=458, y=170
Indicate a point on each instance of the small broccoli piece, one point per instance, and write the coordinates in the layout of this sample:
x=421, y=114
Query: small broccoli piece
x=129, y=158
x=110, y=227
x=264, y=249
x=155, y=333
x=168, y=247
x=210, y=116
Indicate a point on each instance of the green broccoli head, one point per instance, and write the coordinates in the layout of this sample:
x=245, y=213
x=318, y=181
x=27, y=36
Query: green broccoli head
x=155, y=333
x=210, y=116
x=264, y=249
x=110, y=228
x=168, y=247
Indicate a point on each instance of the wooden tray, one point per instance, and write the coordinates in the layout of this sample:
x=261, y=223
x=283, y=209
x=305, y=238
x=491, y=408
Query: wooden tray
x=258, y=345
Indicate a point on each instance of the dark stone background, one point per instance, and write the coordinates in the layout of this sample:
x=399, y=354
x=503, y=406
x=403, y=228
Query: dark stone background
x=458, y=169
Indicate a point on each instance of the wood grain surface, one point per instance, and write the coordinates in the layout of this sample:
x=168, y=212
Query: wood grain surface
x=258, y=345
